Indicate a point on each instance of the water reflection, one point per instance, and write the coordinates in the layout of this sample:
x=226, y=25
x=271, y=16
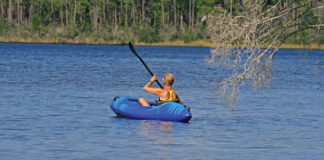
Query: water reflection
x=155, y=129
x=160, y=134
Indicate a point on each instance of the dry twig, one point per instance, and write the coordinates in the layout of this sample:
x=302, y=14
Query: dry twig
x=249, y=41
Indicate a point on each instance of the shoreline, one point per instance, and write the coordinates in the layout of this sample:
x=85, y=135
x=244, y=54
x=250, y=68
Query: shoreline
x=199, y=43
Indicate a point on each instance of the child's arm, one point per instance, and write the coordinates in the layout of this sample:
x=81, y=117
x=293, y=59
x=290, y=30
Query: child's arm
x=179, y=99
x=147, y=87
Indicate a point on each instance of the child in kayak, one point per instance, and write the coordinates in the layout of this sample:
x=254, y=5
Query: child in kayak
x=165, y=95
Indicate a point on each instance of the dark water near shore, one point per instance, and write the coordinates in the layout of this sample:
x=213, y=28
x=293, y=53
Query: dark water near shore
x=54, y=104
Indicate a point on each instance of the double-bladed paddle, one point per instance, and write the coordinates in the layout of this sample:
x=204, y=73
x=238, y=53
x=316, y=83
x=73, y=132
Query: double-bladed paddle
x=148, y=69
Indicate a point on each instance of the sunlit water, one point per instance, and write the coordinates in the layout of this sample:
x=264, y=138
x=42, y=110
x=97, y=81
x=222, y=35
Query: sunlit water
x=54, y=104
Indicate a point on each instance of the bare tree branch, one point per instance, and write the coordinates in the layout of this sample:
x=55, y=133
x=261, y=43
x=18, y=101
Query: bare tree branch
x=248, y=41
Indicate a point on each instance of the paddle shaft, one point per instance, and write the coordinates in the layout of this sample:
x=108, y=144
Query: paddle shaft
x=147, y=68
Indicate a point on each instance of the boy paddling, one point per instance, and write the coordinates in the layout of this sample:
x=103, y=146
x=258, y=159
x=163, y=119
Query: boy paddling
x=165, y=95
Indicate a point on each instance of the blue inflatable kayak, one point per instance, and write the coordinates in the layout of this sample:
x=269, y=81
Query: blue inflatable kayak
x=170, y=111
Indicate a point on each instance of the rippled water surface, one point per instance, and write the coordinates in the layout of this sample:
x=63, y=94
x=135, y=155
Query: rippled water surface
x=54, y=104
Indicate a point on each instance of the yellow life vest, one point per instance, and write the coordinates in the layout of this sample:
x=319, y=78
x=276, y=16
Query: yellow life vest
x=158, y=102
x=170, y=97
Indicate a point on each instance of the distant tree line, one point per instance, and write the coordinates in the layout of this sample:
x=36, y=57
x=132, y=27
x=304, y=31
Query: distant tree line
x=107, y=12
x=111, y=20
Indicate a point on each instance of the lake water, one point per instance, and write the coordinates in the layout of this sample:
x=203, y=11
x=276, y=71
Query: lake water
x=54, y=104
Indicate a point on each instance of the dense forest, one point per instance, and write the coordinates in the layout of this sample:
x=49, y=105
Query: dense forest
x=114, y=21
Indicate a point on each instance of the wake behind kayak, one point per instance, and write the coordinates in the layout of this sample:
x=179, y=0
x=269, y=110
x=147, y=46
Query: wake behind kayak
x=131, y=108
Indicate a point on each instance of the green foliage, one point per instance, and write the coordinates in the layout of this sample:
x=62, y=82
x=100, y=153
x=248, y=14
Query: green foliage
x=187, y=36
x=321, y=37
x=201, y=32
x=148, y=34
x=306, y=37
x=85, y=27
x=3, y=26
x=206, y=6
x=36, y=22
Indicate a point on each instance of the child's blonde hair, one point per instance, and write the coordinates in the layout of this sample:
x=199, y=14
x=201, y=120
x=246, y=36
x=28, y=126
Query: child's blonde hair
x=168, y=79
